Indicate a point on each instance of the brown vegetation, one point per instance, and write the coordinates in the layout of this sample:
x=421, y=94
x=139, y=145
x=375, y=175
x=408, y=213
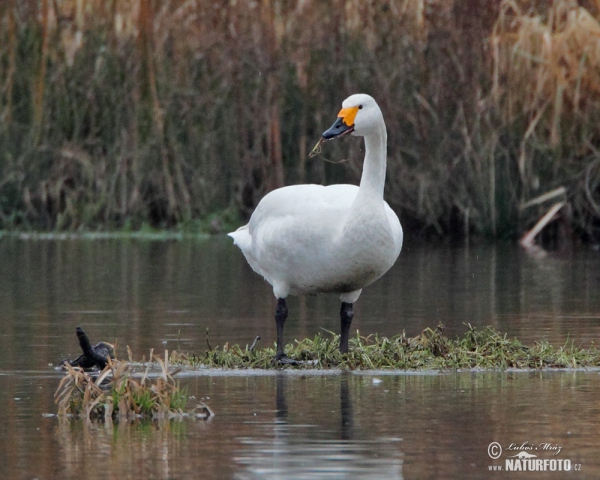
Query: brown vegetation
x=116, y=114
x=116, y=392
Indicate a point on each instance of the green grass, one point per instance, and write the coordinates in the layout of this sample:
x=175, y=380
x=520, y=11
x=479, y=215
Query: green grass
x=483, y=348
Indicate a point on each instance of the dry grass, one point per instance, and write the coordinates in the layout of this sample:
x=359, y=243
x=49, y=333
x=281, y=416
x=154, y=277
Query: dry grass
x=117, y=114
x=116, y=393
x=547, y=81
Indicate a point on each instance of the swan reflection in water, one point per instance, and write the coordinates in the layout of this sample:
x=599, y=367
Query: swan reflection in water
x=290, y=449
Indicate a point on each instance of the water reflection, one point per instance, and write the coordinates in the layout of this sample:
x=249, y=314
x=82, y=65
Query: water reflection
x=345, y=409
x=383, y=425
x=284, y=449
x=167, y=294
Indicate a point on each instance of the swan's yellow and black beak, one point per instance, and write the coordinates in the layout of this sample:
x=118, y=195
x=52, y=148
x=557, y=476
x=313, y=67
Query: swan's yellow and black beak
x=343, y=125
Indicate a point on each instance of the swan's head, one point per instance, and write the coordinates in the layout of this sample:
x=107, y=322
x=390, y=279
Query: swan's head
x=360, y=115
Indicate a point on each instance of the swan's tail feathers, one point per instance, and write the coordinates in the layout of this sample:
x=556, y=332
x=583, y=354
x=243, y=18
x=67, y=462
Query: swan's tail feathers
x=241, y=237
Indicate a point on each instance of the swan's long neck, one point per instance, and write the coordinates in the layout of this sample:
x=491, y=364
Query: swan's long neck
x=372, y=181
x=366, y=229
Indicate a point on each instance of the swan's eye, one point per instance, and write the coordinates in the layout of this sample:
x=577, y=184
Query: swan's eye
x=360, y=107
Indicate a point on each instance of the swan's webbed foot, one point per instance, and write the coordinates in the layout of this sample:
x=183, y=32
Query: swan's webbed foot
x=283, y=359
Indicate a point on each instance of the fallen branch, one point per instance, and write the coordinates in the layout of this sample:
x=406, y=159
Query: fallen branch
x=557, y=192
x=527, y=241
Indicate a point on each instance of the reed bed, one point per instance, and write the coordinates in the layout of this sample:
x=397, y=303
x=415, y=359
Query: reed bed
x=483, y=348
x=183, y=113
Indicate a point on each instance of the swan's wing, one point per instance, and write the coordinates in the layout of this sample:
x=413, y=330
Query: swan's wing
x=303, y=205
x=290, y=220
x=317, y=209
x=397, y=233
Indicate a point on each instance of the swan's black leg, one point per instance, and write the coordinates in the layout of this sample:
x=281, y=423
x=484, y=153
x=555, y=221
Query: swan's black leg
x=346, y=315
x=281, y=313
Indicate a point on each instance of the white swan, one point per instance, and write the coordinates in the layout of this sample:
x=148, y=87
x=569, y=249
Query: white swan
x=335, y=239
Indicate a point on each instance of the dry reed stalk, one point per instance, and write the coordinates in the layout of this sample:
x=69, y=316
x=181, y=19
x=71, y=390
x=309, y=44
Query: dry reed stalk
x=557, y=192
x=146, y=48
x=11, y=70
x=40, y=80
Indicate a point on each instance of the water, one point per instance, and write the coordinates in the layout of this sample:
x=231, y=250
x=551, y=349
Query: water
x=149, y=294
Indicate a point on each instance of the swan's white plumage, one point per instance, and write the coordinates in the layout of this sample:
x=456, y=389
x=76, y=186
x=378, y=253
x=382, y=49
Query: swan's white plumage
x=335, y=239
